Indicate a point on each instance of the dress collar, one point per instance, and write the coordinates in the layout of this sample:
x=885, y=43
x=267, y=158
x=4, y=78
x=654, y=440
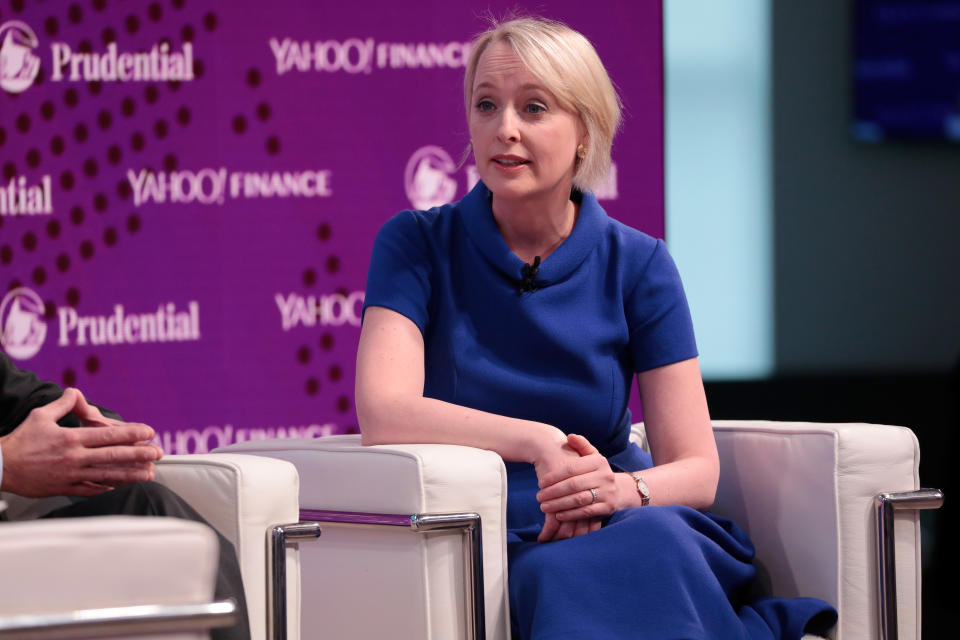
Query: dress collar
x=482, y=230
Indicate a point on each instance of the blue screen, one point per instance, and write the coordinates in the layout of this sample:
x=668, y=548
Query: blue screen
x=906, y=70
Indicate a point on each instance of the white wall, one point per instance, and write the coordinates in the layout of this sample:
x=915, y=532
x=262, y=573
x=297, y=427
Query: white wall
x=719, y=219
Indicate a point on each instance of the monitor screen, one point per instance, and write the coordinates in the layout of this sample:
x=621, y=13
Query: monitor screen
x=906, y=70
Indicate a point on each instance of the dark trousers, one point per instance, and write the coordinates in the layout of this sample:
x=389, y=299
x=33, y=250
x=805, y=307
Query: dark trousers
x=152, y=499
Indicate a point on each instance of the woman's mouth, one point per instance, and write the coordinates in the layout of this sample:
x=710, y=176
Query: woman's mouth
x=509, y=161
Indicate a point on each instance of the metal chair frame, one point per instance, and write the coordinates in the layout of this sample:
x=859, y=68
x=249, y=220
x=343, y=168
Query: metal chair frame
x=309, y=528
x=119, y=621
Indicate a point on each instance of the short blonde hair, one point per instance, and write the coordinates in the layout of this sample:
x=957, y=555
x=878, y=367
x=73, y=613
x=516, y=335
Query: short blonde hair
x=569, y=67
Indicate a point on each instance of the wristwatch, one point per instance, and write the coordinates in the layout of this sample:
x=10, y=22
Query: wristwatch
x=642, y=489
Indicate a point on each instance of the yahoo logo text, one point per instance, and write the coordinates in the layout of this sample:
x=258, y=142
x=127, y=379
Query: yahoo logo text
x=213, y=436
x=206, y=186
x=334, y=309
x=215, y=186
x=363, y=55
x=352, y=56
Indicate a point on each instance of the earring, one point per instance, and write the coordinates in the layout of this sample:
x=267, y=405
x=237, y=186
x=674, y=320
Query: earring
x=581, y=151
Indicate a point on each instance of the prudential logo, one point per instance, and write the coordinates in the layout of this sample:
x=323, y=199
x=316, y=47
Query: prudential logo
x=427, y=178
x=18, y=65
x=22, y=329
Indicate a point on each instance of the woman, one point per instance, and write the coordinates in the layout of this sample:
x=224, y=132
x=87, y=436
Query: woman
x=514, y=321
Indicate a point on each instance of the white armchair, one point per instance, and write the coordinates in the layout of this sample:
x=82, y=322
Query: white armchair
x=806, y=493
x=107, y=577
x=243, y=497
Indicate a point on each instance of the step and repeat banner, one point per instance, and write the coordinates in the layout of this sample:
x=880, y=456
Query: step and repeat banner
x=189, y=189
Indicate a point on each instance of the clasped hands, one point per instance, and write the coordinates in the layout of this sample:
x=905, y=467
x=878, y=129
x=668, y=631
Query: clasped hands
x=566, y=476
x=41, y=458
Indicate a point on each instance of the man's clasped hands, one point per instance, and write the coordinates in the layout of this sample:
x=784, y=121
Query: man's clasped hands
x=41, y=458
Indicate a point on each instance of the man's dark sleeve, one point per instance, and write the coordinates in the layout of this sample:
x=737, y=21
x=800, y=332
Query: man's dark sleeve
x=22, y=391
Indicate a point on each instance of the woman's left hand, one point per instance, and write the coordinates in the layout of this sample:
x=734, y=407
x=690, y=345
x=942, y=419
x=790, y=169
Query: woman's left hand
x=556, y=530
x=570, y=500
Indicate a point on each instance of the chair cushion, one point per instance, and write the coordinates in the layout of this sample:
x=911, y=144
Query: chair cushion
x=63, y=564
x=416, y=580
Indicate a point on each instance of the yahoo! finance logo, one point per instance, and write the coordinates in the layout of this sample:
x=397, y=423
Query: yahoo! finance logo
x=22, y=328
x=18, y=65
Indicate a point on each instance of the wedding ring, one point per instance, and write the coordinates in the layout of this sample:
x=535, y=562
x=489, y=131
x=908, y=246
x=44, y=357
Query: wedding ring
x=596, y=497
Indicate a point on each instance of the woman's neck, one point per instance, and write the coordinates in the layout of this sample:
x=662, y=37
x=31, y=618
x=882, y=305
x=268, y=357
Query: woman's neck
x=535, y=226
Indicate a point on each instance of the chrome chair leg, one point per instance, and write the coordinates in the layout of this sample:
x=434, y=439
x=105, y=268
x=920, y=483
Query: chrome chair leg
x=887, y=504
x=277, y=583
x=124, y=622
x=309, y=528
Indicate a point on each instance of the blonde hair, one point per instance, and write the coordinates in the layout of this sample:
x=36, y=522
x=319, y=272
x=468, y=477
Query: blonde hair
x=569, y=67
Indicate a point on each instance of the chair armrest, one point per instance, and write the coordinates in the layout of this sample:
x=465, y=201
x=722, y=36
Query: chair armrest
x=242, y=497
x=51, y=568
x=805, y=494
x=414, y=579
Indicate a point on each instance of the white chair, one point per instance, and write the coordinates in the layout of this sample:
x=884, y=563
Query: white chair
x=807, y=494
x=244, y=498
x=107, y=577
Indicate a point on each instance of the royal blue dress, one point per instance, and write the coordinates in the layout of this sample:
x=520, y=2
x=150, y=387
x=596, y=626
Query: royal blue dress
x=608, y=303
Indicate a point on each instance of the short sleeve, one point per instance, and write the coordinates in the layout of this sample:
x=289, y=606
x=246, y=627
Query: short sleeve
x=400, y=269
x=661, y=330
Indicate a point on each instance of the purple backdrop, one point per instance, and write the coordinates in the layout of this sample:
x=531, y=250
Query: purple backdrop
x=190, y=189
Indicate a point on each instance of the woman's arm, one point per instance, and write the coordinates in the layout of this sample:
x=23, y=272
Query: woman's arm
x=686, y=467
x=391, y=407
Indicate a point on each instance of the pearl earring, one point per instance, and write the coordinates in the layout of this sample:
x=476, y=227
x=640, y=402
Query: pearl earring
x=581, y=151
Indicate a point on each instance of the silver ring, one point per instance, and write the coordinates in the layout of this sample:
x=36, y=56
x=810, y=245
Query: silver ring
x=596, y=497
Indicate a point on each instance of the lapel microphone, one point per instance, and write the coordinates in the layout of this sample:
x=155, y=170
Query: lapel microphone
x=527, y=275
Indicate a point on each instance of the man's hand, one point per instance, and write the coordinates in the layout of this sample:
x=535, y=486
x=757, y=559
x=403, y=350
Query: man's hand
x=41, y=458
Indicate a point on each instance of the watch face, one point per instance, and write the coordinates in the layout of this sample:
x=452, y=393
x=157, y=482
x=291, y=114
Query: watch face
x=643, y=488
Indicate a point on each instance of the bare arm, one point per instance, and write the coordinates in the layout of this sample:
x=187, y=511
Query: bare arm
x=391, y=407
x=677, y=421
x=686, y=466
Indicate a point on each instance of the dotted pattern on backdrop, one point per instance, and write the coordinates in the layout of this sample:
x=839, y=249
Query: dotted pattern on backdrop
x=85, y=135
x=157, y=116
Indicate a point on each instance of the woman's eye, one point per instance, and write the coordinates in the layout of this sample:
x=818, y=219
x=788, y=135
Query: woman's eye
x=485, y=105
x=534, y=107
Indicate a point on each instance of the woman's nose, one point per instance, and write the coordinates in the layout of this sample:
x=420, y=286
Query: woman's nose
x=509, y=130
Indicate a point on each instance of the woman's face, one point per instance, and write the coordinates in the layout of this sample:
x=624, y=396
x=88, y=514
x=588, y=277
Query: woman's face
x=524, y=143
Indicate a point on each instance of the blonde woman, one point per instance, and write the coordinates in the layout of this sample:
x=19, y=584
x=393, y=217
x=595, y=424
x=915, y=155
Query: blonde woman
x=515, y=319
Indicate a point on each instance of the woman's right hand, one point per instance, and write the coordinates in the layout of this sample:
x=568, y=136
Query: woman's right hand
x=553, y=460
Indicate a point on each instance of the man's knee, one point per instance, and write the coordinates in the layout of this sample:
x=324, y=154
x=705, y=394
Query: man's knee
x=154, y=499
x=141, y=499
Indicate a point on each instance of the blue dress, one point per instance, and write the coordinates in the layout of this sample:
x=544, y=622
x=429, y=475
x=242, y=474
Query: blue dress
x=608, y=303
